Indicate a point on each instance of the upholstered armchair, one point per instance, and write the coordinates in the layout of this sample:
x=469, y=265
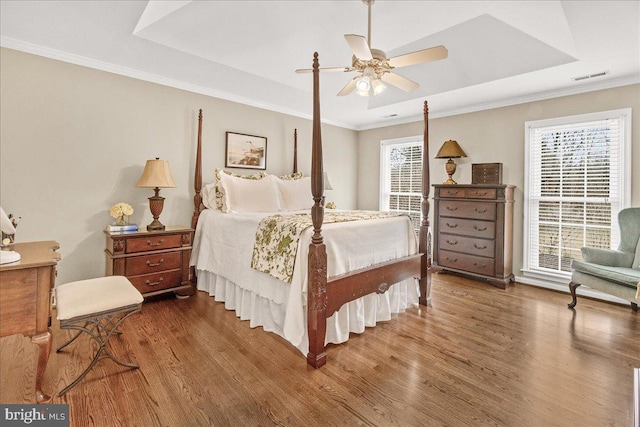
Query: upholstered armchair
x=615, y=272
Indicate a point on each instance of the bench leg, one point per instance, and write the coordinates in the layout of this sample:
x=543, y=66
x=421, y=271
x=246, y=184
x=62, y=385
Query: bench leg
x=572, y=288
x=100, y=329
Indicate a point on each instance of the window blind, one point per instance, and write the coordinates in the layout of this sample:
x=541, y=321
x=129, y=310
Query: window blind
x=401, y=178
x=575, y=187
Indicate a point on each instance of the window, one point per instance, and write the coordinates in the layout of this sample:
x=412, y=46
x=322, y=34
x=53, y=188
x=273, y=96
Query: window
x=401, y=177
x=577, y=178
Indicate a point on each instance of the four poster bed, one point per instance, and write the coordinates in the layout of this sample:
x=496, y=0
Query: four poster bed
x=340, y=284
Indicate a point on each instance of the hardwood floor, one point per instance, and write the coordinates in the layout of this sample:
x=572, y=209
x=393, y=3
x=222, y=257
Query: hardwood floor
x=481, y=356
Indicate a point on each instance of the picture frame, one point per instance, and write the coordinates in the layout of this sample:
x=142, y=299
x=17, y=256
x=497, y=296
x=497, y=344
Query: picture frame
x=245, y=151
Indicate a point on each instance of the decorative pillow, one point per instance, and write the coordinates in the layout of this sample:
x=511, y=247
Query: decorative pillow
x=292, y=176
x=219, y=191
x=295, y=194
x=250, y=195
x=208, y=194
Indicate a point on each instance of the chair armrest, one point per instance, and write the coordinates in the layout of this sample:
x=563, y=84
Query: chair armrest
x=609, y=257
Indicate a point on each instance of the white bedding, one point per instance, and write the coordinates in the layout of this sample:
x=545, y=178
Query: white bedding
x=222, y=250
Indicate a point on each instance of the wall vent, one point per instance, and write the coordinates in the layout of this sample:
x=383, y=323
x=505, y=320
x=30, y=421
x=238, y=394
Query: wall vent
x=389, y=116
x=590, y=76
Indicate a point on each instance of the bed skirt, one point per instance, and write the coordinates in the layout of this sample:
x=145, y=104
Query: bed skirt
x=353, y=317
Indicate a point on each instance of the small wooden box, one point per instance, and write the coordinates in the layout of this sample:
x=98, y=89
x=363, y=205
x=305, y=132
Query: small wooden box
x=486, y=173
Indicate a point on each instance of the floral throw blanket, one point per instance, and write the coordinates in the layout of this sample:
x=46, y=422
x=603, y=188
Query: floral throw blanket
x=276, y=245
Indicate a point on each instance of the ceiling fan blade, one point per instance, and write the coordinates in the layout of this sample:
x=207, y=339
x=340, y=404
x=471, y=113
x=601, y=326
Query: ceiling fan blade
x=359, y=46
x=325, y=70
x=400, y=82
x=425, y=55
x=348, y=88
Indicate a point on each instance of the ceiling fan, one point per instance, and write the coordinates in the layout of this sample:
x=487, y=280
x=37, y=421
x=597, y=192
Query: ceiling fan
x=374, y=67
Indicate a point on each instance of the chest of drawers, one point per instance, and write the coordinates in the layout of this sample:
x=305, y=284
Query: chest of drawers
x=155, y=262
x=473, y=228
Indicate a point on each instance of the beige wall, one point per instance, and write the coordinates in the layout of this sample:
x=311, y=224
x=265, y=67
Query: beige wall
x=495, y=136
x=74, y=141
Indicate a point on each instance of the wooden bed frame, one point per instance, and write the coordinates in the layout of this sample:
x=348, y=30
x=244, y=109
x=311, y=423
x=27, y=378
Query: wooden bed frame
x=326, y=295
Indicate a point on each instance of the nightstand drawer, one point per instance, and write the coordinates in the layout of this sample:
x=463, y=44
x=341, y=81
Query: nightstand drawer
x=462, y=209
x=135, y=266
x=157, y=281
x=153, y=243
x=473, y=264
x=468, y=227
x=468, y=245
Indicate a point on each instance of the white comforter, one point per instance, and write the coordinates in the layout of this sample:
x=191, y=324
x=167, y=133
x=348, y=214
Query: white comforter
x=222, y=250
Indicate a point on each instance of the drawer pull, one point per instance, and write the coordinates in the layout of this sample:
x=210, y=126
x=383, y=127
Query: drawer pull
x=148, y=283
x=478, y=265
x=155, y=244
x=479, y=247
x=475, y=227
x=484, y=193
x=452, y=259
x=452, y=225
x=155, y=264
x=449, y=208
x=480, y=210
x=455, y=242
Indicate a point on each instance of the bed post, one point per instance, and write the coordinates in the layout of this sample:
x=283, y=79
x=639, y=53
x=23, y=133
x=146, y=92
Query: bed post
x=295, y=150
x=317, y=274
x=425, y=232
x=197, y=181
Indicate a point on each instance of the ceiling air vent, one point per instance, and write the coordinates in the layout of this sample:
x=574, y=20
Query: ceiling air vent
x=590, y=76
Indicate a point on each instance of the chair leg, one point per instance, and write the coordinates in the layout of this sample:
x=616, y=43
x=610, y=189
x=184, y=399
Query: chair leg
x=572, y=288
x=100, y=329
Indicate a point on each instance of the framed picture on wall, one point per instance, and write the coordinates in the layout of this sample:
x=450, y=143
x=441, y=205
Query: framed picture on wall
x=246, y=151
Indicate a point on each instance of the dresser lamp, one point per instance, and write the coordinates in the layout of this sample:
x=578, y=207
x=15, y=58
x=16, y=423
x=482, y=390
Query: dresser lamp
x=156, y=175
x=450, y=150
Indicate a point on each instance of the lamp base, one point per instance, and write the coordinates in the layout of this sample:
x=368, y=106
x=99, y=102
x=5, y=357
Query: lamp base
x=155, y=226
x=450, y=168
x=156, y=203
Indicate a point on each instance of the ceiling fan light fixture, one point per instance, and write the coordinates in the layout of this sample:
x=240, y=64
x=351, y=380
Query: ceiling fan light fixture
x=363, y=84
x=378, y=87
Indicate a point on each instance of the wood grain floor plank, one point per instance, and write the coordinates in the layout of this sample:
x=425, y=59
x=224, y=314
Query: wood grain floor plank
x=480, y=356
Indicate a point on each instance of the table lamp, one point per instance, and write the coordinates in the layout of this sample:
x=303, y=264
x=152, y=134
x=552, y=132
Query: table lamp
x=8, y=229
x=450, y=150
x=156, y=175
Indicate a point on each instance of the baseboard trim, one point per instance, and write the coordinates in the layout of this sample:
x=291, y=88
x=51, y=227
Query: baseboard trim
x=564, y=287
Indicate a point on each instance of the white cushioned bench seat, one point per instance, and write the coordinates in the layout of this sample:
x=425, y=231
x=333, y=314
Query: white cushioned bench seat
x=94, y=296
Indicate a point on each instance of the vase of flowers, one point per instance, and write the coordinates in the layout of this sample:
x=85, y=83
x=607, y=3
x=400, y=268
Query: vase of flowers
x=121, y=213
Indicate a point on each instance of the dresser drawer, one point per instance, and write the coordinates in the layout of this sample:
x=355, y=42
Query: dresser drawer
x=473, y=264
x=452, y=192
x=146, y=264
x=468, y=245
x=468, y=227
x=157, y=281
x=481, y=193
x=462, y=209
x=153, y=243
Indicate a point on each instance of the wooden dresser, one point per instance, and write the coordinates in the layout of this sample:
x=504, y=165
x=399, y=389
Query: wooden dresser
x=473, y=229
x=155, y=262
x=25, y=299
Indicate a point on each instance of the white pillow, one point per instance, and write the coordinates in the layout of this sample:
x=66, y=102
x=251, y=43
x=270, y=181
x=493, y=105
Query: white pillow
x=250, y=195
x=208, y=194
x=295, y=194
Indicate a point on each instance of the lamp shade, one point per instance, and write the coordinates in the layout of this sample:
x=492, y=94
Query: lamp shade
x=156, y=174
x=450, y=149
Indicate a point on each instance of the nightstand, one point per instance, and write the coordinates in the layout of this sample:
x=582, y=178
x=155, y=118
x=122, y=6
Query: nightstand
x=156, y=262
